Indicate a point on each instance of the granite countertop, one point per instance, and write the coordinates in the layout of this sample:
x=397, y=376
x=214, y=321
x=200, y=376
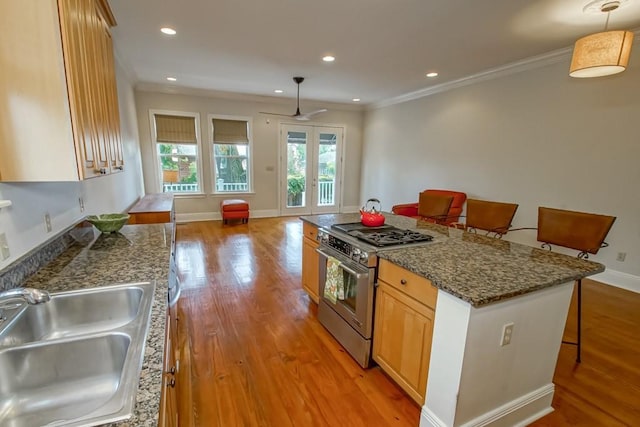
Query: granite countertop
x=138, y=253
x=475, y=268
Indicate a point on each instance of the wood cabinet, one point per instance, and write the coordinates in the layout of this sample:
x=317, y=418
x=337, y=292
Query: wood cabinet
x=58, y=94
x=310, y=261
x=405, y=308
x=168, y=416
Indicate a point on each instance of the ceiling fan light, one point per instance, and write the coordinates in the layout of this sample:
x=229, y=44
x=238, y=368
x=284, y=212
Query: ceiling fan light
x=601, y=54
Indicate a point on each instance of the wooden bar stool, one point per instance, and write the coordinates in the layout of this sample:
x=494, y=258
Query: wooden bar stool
x=581, y=231
x=434, y=207
x=492, y=217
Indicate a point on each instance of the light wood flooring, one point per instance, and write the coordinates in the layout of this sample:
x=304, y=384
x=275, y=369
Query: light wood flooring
x=259, y=357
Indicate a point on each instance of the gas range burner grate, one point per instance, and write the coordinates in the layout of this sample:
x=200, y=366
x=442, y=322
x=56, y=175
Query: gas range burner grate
x=386, y=235
x=392, y=237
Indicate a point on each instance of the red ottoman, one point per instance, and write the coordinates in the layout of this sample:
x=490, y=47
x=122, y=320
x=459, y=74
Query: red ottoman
x=234, y=209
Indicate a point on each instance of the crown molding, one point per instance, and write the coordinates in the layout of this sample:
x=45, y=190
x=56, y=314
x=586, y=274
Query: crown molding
x=210, y=93
x=492, y=73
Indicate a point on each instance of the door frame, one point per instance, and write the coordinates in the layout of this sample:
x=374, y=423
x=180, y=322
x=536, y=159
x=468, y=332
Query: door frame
x=308, y=209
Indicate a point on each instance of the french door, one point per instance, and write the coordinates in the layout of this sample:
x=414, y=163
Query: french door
x=310, y=169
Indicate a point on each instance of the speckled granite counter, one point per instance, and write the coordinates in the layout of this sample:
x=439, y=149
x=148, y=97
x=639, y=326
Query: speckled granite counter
x=138, y=253
x=475, y=268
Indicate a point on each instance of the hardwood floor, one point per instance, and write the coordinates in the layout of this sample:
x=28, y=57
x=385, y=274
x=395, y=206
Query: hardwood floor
x=259, y=357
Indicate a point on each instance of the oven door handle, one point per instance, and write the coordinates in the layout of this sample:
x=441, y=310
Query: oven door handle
x=342, y=264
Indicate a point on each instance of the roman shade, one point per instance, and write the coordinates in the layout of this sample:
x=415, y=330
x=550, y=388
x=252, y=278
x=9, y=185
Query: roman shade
x=175, y=129
x=230, y=131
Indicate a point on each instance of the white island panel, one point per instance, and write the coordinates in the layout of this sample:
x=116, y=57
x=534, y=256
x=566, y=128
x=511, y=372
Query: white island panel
x=493, y=384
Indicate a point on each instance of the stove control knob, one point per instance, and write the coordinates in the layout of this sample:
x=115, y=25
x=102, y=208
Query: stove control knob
x=322, y=236
x=356, y=253
x=364, y=257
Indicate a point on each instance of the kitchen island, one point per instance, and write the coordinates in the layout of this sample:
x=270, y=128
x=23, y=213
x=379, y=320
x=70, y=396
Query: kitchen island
x=483, y=286
x=137, y=253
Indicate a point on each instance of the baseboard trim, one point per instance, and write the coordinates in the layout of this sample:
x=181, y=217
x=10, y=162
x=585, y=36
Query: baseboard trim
x=519, y=412
x=215, y=216
x=619, y=280
x=197, y=216
x=429, y=419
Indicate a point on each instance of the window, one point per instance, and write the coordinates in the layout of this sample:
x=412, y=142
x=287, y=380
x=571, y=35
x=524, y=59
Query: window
x=231, y=155
x=176, y=137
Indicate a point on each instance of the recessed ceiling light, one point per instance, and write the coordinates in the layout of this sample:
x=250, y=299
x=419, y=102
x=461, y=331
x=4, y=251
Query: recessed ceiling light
x=329, y=58
x=169, y=31
x=278, y=91
x=171, y=79
x=356, y=99
x=432, y=74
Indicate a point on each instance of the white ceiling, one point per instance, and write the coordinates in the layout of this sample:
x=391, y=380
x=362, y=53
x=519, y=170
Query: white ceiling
x=383, y=48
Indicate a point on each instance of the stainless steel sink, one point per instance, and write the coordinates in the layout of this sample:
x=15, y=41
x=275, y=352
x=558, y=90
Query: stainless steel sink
x=76, y=360
x=74, y=313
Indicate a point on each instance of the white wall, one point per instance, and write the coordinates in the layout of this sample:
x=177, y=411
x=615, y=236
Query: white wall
x=537, y=138
x=23, y=222
x=265, y=146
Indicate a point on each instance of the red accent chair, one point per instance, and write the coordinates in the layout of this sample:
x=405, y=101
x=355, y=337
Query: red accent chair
x=412, y=209
x=234, y=209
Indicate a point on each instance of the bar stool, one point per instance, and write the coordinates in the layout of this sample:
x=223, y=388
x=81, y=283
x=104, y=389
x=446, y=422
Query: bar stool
x=434, y=207
x=584, y=232
x=493, y=217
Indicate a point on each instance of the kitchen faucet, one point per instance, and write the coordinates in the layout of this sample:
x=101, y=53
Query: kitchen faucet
x=30, y=295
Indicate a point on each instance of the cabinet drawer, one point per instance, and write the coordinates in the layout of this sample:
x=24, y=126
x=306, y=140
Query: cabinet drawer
x=411, y=284
x=310, y=231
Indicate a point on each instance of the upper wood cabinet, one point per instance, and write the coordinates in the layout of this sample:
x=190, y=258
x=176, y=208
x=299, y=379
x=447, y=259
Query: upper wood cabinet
x=58, y=93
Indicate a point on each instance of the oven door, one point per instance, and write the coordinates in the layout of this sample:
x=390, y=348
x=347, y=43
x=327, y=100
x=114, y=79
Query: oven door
x=357, y=306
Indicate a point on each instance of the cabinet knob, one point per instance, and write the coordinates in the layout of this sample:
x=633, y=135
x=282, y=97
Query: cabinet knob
x=120, y=168
x=403, y=282
x=171, y=383
x=102, y=171
x=172, y=371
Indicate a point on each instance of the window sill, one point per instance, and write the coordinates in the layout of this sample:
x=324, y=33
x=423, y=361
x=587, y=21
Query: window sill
x=189, y=195
x=236, y=194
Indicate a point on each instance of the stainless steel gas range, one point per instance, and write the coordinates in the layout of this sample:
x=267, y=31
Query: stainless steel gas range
x=348, y=255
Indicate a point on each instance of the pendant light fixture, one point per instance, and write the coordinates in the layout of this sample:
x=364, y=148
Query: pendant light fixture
x=602, y=54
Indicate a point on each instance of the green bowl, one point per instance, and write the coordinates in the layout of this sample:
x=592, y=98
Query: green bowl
x=108, y=223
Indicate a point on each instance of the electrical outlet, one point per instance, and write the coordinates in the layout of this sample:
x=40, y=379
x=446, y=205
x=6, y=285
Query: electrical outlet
x=507, y=334
x=81, y=202
x=621, y=256
x=47, y=222
x=4, y=247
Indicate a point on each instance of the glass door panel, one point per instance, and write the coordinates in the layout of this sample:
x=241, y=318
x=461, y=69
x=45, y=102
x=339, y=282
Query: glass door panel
x=326, y=167
x=296, y=169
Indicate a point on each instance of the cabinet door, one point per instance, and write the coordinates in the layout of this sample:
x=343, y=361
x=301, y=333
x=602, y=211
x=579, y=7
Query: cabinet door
x=402, y=339
x=36, y=137
x=110, y=104
x=310, y=268
x=168, y=399
x=75, y=26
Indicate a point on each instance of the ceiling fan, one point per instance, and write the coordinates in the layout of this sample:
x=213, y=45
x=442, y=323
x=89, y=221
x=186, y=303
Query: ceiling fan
x=298, y=115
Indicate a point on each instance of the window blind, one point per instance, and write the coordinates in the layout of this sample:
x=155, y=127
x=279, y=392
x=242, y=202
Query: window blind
x=230, y=131
x=175, y=129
